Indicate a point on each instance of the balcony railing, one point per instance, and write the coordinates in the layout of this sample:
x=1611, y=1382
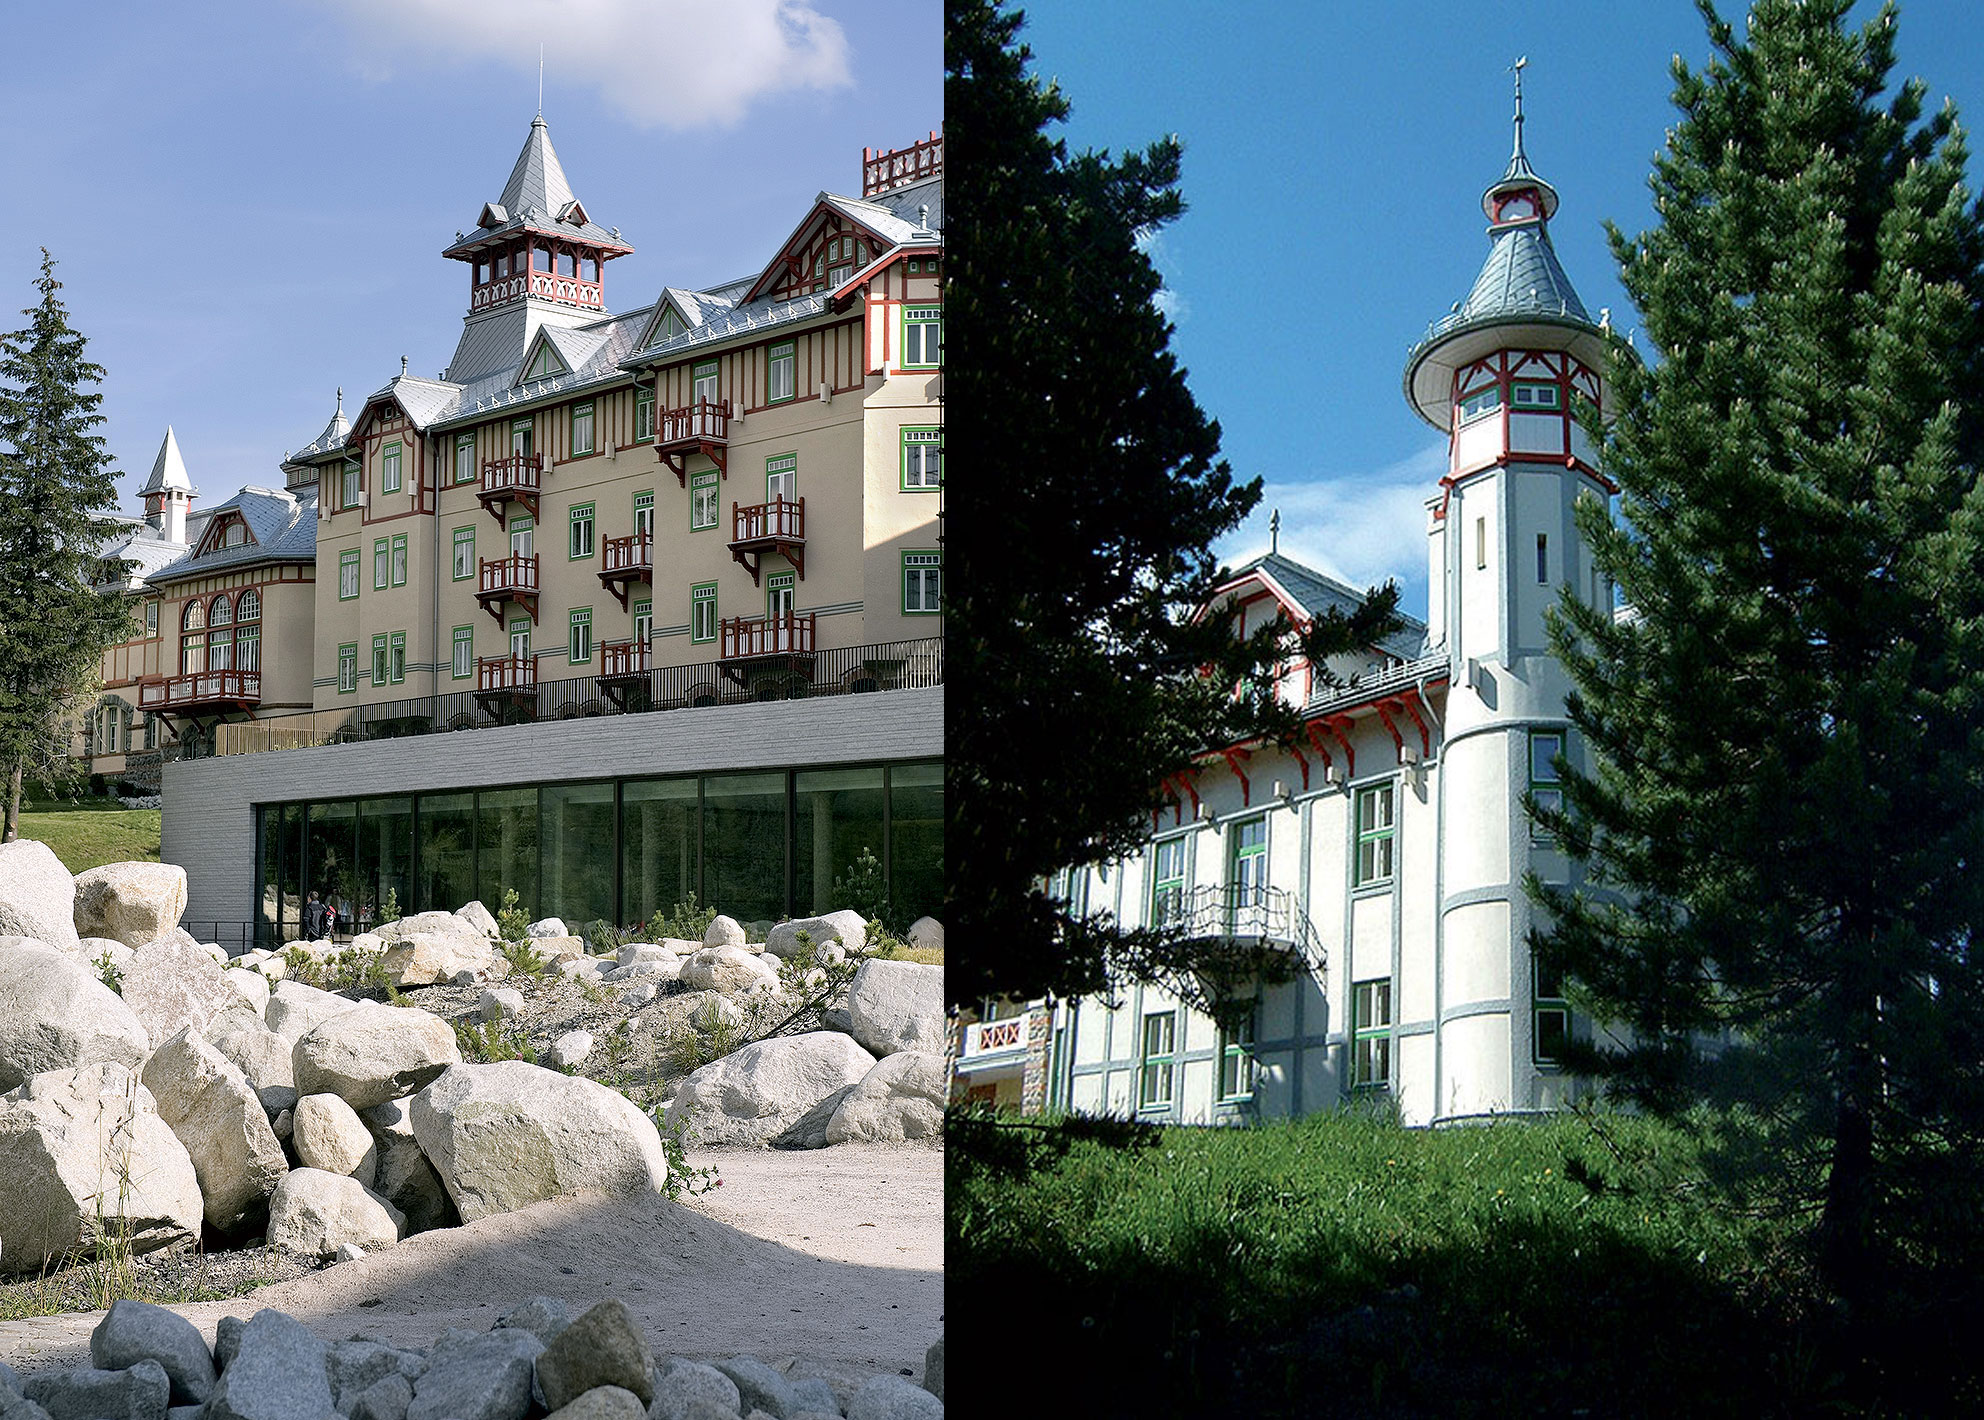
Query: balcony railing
x=501, y=673
x=202, y=689
x=506, y=576
x=1008, y=1038
x=778, y=526
x=1243, y=912
x=627, y=556
x=745, y=638
x=693, y=423
x=622, y=660
x=507, y=477
x=899, y=167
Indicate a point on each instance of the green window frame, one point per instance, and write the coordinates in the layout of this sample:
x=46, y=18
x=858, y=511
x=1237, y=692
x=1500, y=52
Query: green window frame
x=782, y=477
x=1371, y=1034
x=399, y=559
x=465, y=458
x=922, y=337
x=922, y=459
x=703, y=382
x=1481, y=402
x=1167, y=881
x=348, y=480
x=348, y=575
x=389, y=468
x=151, y=618
x=643, y=622
x=578, y=635
x=1534, y=394
x=702, y=500
x=1551, y=1012
x=396, y=657
x=379, y=662
x=1236, y=1061
x=464, y=659
x=523, y=435
x=781, y=372
x=643, y=414
x=348, y=668
x=781, y=595
x=1546, y=786
x=644, y=514
x=464, y=548
x=520, y=636
x=382, y=563
x=578, y=528
x=582, y=422
x=923, y=583
x=702, y=612
x=1376, y=858
x=1159, y=1042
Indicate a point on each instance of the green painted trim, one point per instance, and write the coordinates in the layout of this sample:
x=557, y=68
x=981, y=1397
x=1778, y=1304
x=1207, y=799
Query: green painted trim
x=463, y=636
x=902, y=581
x=389, y=467
x=1150, y=1062
x=920, y=315
x=399, y=559
x=643, y=398
x=1361, y=835
x=396, y=658
x=787, y=350
x=579, y=513
x=905, y=444
x=586, y=408
x=1239, y=1049
x=575, y=618
x=382, y=571
x=464, y=441
x=351, y=558
x=704, y=478
x=379, y=658
x=352, y=689
x=1160, y=880
x=696, y=597
x=456, y=542
x=1362, y=1030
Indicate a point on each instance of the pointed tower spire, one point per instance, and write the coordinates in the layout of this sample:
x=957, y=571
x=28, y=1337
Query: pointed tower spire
x=168, y=493
x=1521, y=196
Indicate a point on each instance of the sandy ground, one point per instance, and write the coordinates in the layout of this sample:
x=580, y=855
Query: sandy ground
x=832, y=1255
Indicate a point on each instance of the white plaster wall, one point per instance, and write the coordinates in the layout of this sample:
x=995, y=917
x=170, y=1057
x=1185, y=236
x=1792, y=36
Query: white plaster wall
x=1477, y=955
x=1477, y=444
x=1536, y=433
x=1436, y=573
x=1319, y=1080
x=1480, y=633
x=1539, y=507
x=1476, y=1051
x=1417, y=1097
x=1417, y=865
x=1371, y=937
x=1477, y=839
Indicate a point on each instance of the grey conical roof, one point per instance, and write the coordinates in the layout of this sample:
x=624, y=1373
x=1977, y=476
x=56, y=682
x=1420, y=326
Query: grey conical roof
x=538, y=198
x=168, y=469
x=1521, y=277
x=537, y=180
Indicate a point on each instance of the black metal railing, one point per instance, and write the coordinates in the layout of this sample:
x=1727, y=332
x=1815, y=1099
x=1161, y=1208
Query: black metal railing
x=1247, y=912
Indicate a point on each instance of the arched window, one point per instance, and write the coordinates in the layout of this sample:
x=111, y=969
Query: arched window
x=248, y=631
x=195, y=617
x=221, y=613
x=193, y=639
x=220, y=640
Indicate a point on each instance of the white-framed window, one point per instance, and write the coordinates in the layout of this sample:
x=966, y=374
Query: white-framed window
x=781, y=361
x=1371, y=1033
x=782, y=477
x=578, y=635
x=523, y=435
x=464, y=666
x=1160, y=1041
x=1527, y=394
x=464, y=564
x=922, y=583
x=922, y=337
x=1376, y=835
x=778, y=595
x=643, y=412
x=389, y=469
x=581, y=429
x=523, y=533
x=465, y=458
x=702, y=612
x=922, y=459
x=399, y=559
x=348, y=668
x=703, y=383
x=702, y=500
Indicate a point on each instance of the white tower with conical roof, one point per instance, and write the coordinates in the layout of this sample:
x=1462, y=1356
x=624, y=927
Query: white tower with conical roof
x=1504, y=376
x=168, y=493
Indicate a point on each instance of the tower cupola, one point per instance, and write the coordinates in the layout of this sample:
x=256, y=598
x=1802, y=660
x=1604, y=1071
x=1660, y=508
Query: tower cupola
x=168, y=494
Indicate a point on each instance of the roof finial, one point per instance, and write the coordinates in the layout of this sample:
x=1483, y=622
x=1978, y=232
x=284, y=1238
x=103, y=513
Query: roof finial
x=402, y=367
x=340, y=399
x=540, y=81
x=1518, y=156
x=1274, y=532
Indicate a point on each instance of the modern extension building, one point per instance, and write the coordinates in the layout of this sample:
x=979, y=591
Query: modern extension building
x=1384, y=854
x=722, y=499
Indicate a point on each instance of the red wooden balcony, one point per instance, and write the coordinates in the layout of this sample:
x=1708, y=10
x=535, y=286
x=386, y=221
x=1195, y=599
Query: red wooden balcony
x=203, y=692
x=508, y=579
x=506, y=686
x=517, y=478
x=699, y=428
x=625, y=560
x=900, y=167
x=778, y=526
x=623, y=672
x=750, y=639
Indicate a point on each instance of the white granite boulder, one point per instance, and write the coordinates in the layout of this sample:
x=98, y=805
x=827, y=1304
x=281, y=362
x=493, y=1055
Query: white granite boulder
x=500, y=1003
x=559, y=948
x=250, y=986
x=898, y=1005
x=570, y=1048
x=847, y=927
x=505, y=1135
x=731, y=970
x=295, y=1009
x=329, y=1135
x=901, y=1098
x=403, y=1176
x=315, y=1213
x=724, y=932
x=133, y=903
x=173, y=982
x=215, y=1113
x=433, y=946
x=258, y=1052
x=56, y=1015
x=374, y=1054
x=478, y=917
x=548, y=927
x=84, y=1150
x=928, y=933
x=757, y=1092
x=37, y=895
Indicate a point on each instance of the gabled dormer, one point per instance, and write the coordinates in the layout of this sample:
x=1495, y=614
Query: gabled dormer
x=836, y=239
x=544, y=361
x=226, y=529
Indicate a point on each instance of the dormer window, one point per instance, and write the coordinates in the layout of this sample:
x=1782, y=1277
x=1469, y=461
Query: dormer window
x=235, y=535
x=671, y=324
x=545, y=365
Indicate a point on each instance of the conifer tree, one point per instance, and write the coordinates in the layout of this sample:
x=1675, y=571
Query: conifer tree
x=55, y=484
x=1082, y=527
x=1782, y=818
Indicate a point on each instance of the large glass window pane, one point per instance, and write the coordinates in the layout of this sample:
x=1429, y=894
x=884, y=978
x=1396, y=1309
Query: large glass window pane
x=331, y=861
x=578, y=853
x=290, y=873
x=744, y=845
x=916, y=824
x=836, y=814
x=268, y=887
x=447, y=852
x=506, y=847
x=385, y=855
x=658, y=846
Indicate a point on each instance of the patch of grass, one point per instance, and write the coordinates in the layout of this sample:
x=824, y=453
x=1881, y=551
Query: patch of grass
x=89, y=833
x=928, y=956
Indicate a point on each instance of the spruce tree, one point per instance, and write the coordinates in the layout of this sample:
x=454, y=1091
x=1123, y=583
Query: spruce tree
x=1081, y=533
x=1782, y=818
x=55, y=485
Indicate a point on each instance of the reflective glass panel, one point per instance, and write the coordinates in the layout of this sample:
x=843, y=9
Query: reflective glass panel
x=837, y=813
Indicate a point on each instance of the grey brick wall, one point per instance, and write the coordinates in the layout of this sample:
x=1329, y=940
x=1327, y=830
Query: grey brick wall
x=209, y=821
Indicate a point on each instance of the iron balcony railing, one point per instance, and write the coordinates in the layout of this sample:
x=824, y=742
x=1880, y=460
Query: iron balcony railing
x=518, y=473
x=1244, y=912
x=692, y=423
x=781, y=520
x=745, y=638
x=633, y=553
x=845, y=670
x=505, y=673
x=1391, y=679
x=201, y=688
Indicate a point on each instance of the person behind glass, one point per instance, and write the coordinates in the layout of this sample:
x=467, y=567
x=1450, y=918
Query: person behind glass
x=330, y=920
x=313, y=918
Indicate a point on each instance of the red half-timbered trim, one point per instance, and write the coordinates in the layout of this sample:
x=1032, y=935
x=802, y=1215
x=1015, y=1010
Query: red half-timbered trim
x=790, y=271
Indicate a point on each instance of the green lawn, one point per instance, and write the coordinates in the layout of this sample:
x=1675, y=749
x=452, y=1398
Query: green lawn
x=90, y=833
x=1342, y=1265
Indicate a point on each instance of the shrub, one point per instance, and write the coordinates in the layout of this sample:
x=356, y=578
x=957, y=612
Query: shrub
x=389, y=908
x=107, y=972
x=685, y=920
x=683, y=1177
x=512, y=922
x=487, y=1044
x=524, y=959
x=864, y=888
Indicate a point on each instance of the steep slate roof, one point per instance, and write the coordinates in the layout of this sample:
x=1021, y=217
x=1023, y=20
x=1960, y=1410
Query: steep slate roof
x=168, y=469
x=141, y=545
x=1522, y=277
x=1317, y=592
x=333, y=436
x=537, y=198
x=283, y=523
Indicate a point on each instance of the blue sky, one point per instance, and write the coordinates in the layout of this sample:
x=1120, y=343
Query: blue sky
x=248, y=198
x=1334, y=160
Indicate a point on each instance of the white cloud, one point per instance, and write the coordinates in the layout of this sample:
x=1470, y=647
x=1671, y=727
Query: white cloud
x=1363, y=529
x=663, y=63
x=1169, y=300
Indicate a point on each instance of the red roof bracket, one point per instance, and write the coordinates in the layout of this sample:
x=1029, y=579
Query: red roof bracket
x=1425, y=735
x=1233, y=758
x=1303, y=760
x=1316, y=739
x=1338, y=725
x=1384, y=709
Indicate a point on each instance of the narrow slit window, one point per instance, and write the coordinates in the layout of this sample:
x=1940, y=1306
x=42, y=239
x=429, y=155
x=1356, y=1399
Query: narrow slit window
x=1542, y=559
x=1480, y=543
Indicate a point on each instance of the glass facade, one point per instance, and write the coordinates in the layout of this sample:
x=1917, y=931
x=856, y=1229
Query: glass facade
x=759, y=846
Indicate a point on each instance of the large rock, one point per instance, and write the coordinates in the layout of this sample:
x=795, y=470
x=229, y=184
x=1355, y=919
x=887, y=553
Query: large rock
x=404, y=1178
x=505, y=1135
x=131, y=1332
x=500, y=1003
x=433, y=946
x=330, y=1136
x=133, y=903
x=731, y=970
x=933, y=1368
x=928, y=933
x=354, y=1367
x=216, y=1114
x=893, y=1398
x=901, y=1098
x=82, y=1151
x=559, y=948
x=809, y=1131
x=761, y=1090
x=684, y=1387
x=295, y=1009
x=607, y=1402
x=315, y=1213
x=898, y=1005
x=847, y=927
x=37, y=895
x=759, y=1387
x=603, y=1347
x=172, y=983
x=250, y=986
x=86, y=1393
x=258, y=1052
x=478, y=918
x=275, y=1372
x=724, y=932
x=548, y=927
x=56, y=1015
x=544, y=1317
x=374, y=1054
x=484, y=1377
